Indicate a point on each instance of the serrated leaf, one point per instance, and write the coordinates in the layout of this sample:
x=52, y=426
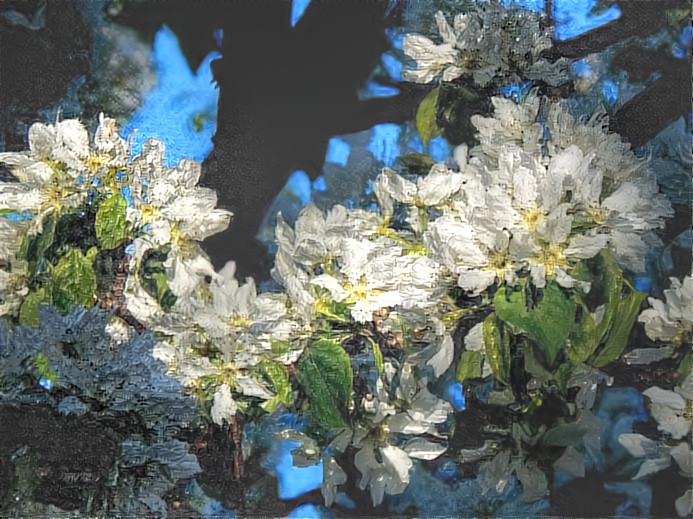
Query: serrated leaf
x=111, y=222
x=426, y=116
x=548, y=324
x=73, y=281
x=324, y=371
x=278, y=378
x=469, y=365
x=497, y=347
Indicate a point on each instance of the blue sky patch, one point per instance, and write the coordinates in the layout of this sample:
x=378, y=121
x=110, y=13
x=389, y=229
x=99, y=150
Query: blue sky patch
x=181, y=110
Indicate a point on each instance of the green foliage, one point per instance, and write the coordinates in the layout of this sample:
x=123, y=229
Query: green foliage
x=623, y=317
x=153, y=277
x=497, y=347
x=469, y=365
x=379, y=361
x=278, y=377
x=29, y=311
x=456, y=105
x=324, y=371
x=426, y=117
x=111, y=222
x=279, y=347
x=34, y=248
x=548, y=322
x=43, y=368
x=73, y=281
x=611, y=333
x=417, y=163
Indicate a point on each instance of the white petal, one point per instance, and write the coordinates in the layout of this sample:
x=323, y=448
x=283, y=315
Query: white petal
x=224, y=407
x=684, y=504
x=442, y=359
x=474, y=340
x=328, y=282
x=683, y=455
x=585, y=247
x=476, y=281
x=652, y=466
x=398, y=462
x=438, y=185
x=423, y=449
x=390, y=186
x=638, y=445
x=42, y=139
x=664, y=397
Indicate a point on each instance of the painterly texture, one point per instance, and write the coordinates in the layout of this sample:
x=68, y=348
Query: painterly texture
x=324, y=259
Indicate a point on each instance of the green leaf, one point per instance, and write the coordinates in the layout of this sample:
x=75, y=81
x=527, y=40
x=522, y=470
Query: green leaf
x=548, y=324
x=497, y=347
x=74, y=281
x=426, y=116
x=418, y=163
x=584, y=338
x=279, y=347
x=625, y=312
x=278, y=377
x=44, y=369
x=34, y=248
x=534, y=366
x=379, y=362
x=611, y=333
x=564, y=435
x=469, y=365
x=563, y=374
x=324, y=371
x=29, y=311
x=152, y=275
x=378, y=355
x=111, y=222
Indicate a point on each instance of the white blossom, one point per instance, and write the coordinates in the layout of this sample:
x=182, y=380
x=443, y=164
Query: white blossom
x=487, y=42
x=671, y=320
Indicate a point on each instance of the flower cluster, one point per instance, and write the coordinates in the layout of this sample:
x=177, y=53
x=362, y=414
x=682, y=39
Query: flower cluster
x=528, y=198
x=671, y=323
x=486, y=43
x=501, y=274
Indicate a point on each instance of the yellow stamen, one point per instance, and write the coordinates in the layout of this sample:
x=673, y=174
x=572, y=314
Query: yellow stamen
x=552, y=257
x=598, y=215
x=531, y=218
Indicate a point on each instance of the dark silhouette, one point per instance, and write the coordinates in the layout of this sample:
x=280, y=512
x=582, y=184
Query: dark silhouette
x=38, y=61
x=284, y=91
